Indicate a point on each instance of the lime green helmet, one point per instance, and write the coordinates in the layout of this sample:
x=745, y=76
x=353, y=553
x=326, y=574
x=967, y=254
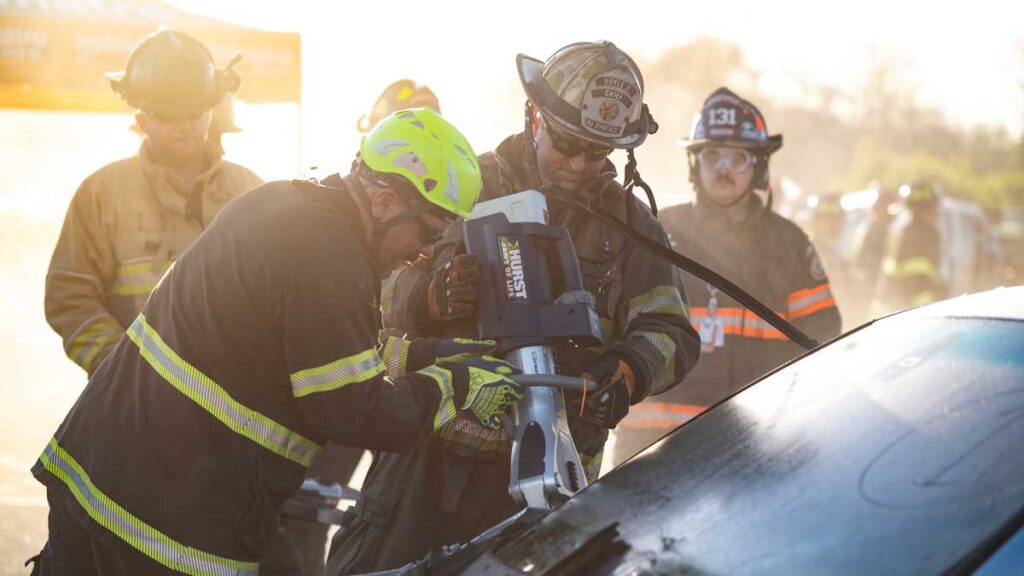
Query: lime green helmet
x=428, y=153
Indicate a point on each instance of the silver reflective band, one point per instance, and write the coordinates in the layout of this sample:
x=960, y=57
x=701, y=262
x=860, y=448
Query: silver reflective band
x=350, y=370
x=667, y=348
x=658, y=300
x=396, y=356
x=131, y=529
x=199, y=388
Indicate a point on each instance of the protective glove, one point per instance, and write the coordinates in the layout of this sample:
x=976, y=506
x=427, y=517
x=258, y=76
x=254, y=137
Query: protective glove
x=480, y=386
x=453, y=290
x=609, y=404
x=402, y=356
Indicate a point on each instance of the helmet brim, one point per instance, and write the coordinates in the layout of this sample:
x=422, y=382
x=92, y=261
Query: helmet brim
x=770, y=146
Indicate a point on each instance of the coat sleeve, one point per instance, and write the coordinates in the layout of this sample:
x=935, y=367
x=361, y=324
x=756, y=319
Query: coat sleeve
x=653, y=316
x=337, y=375
x=810, y=305
x=81, y=270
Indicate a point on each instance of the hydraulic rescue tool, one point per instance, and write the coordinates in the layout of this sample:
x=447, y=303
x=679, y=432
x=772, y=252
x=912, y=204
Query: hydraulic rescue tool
x=531, y=300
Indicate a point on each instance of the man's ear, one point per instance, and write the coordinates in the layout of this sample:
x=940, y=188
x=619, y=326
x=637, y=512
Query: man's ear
x=386, y=204
x=534, y=120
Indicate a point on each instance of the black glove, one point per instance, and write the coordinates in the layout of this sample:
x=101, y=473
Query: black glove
x=452, y=292
x=609, y=404
x=480, y=386
x=402, y=356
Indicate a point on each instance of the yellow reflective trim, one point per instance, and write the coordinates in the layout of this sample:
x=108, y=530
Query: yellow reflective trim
x=667, y=348
x=396, y=356
x=922, y=298
x=910, y=267
x=138, y=289
x=130, y=528
x=211, y=397
x=87, y=344
x=342, y=372
x=387, y=297
x=658, y=300
x=136, y=268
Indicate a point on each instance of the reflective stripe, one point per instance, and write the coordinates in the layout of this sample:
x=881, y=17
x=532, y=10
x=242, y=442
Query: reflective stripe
x=731, y=318
x=607, y=329
x=591, y=465
x=396, y=356
x=387, y=297
x=659, y=300
x=135, y=532
x=92, y=337
x=137, y=277
x=739, y=322
x=351, y=370
x=446, y=407
x=810, y=300
x=922, y=298
x=755, y=327
x=660, y=415
x=199, y=388
x=667, y=348
x=919, y=266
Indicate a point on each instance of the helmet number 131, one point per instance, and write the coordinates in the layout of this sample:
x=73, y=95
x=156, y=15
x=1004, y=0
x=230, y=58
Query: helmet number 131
x=723, y=116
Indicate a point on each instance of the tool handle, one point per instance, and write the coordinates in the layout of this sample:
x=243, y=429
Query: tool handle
x=554, y=381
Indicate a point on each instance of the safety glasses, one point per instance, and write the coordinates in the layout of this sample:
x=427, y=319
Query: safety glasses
x=571, y=147
x=735, y=160
x=431, y=233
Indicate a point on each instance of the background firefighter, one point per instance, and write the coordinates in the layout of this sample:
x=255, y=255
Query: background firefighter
x=911, y=272
x=732, y=230
x=584, y=102
x=131, y=219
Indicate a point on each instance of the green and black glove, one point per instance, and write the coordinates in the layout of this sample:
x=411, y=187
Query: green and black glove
x=480, y=386
x=402, y=356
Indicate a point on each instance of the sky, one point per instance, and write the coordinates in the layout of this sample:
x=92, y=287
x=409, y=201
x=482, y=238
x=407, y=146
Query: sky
x=964, y=58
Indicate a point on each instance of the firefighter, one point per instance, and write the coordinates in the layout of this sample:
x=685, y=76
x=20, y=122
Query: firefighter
x=732, y=229
x=254, y=350
x=399, y=95
x=131, y=219
x=912, y=266
x=585, y=102
x=302, y=542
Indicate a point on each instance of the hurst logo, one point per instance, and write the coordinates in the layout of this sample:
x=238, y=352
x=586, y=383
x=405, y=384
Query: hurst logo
x=515, y=282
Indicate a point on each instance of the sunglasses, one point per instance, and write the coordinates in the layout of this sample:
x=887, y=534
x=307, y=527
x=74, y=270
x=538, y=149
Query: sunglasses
x=735, y=160
x=571, y=147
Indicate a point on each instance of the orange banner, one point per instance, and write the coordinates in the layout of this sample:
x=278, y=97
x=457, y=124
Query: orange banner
x=54, y=62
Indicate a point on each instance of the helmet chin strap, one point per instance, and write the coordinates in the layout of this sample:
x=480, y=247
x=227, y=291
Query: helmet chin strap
x=380, y=228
